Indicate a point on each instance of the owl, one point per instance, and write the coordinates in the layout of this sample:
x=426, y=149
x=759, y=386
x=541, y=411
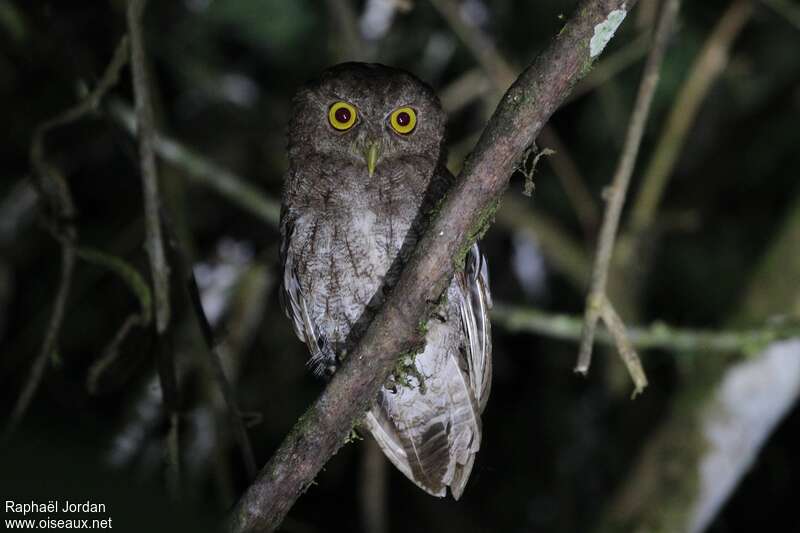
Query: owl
x=365, y=170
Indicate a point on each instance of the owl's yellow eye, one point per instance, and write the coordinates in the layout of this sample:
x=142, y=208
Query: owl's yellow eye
x=403, y=120
x=342, y=116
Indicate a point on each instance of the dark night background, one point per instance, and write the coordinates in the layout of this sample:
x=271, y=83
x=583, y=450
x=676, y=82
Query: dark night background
x=557, y=448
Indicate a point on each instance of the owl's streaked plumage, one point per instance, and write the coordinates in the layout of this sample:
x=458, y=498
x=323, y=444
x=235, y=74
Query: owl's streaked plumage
x=356, y=194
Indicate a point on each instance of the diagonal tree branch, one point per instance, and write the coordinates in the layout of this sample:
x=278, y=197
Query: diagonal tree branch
x=234, y=414
x=464, y=216
x=146, y=135
x=502, y=74
x=786, y=9
x=708, y=66
x=165, y=356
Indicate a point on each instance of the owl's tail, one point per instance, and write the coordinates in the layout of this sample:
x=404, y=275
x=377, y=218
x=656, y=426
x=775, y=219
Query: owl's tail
x=430, y=427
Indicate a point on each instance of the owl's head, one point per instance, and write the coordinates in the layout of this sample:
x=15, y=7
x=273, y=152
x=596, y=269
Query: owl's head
x=368, y=114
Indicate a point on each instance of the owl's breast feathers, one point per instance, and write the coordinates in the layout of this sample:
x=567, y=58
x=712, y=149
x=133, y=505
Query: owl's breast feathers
x=338, y=264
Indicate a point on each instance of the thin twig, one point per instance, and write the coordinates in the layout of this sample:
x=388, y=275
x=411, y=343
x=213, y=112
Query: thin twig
x=786, y=9
x=463, y=216
x=183, y=265
x=623, y=343
x=502, y=73
x=647, y=14
x=168, y=380
x=710, y=63
x=596, y=303
x=244, y=316
x=655, y=336
x=474, y=84
x=146, y=135
x=479, y=44
x=678, y=485
x=127, y=273
x=111, y=352
x=463, y=90
x=347, y=42
x=57, y=200
x=140, y=289
x=48, y=345
x=159, y=268
x=203, y=171
x=234, y=414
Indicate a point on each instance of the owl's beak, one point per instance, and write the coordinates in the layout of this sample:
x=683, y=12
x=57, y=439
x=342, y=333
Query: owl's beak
x=371, y=155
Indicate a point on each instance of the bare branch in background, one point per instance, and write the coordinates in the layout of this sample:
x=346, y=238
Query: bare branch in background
x=140, y=289
x=146, y=136
x=234, y=414
x=50, y=338
x=647, y=14
x=466, y=88
x=347, y=41
x=463, y=217
x=479, y=44
x=723, y=413
x=658, y=335
x=629, y=356
x=373, y=488
x=154, y=245
x=241, y=318
x=706, y=69
x=611, y=65
x=56, y=198
x=235, y=188
x=501, y=74
x=788, y=10
x=597, y=303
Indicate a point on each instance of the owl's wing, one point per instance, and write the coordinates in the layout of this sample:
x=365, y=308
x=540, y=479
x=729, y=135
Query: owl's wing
x=295, y=305
x=431, y=430
x=475, y=303
x=429, y=426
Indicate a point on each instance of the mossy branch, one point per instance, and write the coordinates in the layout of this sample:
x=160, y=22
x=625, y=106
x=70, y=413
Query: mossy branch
x=655, y=336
